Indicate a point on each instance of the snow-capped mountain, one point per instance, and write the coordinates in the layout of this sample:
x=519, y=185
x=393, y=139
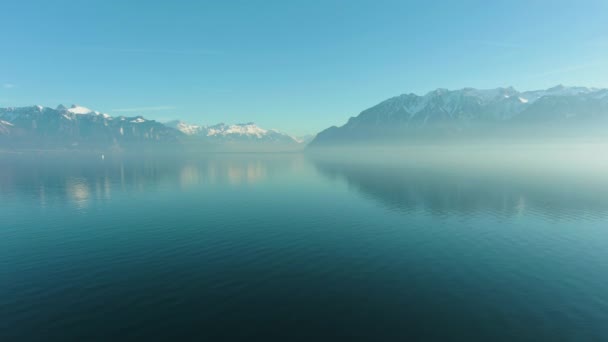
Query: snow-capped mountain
x=185, y=128
x=305, y=139
x=460, y=112
x=43, y=127
x=222, y=133
x=38, y=127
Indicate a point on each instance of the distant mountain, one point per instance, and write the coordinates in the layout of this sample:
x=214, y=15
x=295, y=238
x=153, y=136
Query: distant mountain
x=77, y=127
x=238, y=136
x=305, y=139
x=501, y=112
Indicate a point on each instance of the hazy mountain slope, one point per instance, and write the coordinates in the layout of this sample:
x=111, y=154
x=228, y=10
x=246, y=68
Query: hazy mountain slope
x=41, y=127
x=38, y=127
x=469, y=112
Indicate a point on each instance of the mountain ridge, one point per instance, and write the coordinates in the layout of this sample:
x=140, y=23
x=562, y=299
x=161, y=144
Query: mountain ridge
x=38, y=127
x=468, y=112
x=231, y=132
x=573, y=112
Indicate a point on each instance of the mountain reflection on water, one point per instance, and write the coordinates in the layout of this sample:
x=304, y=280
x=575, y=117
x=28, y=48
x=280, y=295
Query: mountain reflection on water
x=555, y=188
x=78, y=180
x=559, y=189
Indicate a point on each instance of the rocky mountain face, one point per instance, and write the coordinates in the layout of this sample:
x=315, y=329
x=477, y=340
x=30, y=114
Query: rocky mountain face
x=474, y=113
x=42, y=127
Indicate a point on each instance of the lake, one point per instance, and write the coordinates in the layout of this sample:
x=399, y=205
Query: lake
x=294, y=247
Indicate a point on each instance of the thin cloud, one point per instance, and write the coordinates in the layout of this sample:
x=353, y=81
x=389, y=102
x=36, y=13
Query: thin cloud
x=143, y=109
x=8, y=86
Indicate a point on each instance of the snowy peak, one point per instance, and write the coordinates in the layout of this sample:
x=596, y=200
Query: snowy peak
x=244, y=132
x=249, y=129
x=559, y=90
x=138, y=119
x=187, y=129
x=76, y=109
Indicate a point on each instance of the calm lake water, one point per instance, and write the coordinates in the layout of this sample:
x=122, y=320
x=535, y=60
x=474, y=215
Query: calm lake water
x=293, y=247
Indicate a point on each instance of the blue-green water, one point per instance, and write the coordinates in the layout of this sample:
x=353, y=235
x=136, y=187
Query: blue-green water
x=290, y=247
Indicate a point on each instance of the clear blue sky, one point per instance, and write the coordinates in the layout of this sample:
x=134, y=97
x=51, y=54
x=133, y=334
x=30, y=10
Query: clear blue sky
x=299, y=66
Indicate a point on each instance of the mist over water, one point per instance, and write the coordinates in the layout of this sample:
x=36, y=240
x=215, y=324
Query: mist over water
x=434, y=242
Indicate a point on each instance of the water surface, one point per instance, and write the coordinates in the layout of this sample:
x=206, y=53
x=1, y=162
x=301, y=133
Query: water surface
x=294, y=247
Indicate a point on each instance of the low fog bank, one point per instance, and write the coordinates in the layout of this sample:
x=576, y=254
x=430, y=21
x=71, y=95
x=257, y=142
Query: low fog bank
x=463, y=132
x=584, y=155
x=589, y=156
x=147, y=150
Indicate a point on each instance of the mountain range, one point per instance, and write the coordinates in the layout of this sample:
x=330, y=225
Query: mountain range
x=440, y=115
x=501, y=113
x=237, y=136
x=38, y=127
